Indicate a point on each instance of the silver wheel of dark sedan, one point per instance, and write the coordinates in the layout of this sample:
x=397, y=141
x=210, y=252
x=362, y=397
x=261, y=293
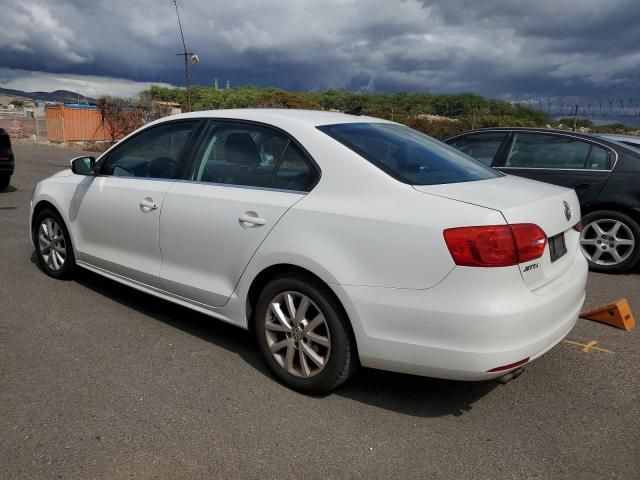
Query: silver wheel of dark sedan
x=53, y=247
x=297, y=334
x=607, y=241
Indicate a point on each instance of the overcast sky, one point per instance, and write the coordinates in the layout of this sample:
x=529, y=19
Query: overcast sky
x=501, y=48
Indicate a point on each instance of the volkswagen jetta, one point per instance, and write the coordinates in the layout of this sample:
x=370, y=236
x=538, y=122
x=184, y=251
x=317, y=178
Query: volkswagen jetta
x=341, y=240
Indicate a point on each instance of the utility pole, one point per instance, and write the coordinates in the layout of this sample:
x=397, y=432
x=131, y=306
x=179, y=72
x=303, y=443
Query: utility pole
x=187, y=56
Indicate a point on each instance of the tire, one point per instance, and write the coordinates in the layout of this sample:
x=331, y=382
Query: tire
x=324, y=329
x=4, y=182
x=611, y=241
x=48, y=220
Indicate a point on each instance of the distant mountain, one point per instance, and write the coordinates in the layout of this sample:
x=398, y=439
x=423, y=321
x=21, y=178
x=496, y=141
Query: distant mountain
x=64, y=96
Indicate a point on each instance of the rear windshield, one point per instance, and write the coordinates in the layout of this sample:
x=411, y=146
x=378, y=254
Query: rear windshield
x=408, y=155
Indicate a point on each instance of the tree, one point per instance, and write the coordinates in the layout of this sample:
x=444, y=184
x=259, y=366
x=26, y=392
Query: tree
x=118, y=117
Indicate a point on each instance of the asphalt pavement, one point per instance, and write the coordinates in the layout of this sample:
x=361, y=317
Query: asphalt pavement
x=100, y=381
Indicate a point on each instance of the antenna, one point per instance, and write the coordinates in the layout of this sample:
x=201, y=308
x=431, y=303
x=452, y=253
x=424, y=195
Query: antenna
x=187, y=56
x=184, y=46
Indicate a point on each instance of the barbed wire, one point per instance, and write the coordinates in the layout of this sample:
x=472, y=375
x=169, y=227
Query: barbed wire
x=555, y=107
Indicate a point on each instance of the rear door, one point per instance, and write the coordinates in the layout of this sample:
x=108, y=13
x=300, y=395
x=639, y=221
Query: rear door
x=244, y=178
x=560, y=159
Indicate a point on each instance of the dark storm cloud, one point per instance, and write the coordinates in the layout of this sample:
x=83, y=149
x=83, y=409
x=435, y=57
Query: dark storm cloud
x=507, y=49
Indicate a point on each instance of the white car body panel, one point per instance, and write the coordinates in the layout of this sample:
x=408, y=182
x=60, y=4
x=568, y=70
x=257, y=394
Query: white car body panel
x=205, y=247
x=113, y=245
x=376, y=242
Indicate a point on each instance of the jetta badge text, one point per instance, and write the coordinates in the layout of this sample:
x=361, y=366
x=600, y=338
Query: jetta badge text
x=567, y=210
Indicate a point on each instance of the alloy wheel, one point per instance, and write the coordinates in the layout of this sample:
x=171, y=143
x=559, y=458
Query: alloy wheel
x=607, y=242
x=52, y=244
x=297, y=334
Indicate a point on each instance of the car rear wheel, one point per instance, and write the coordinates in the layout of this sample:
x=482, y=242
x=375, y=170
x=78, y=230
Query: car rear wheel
x=53, y=244
x=304, y=334
x=4, y=181
x=610, y=240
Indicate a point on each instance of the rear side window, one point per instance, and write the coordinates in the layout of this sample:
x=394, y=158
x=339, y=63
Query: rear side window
x=530, y=150
x=598, y=159
x=481, y=146
x=294, y=172
x=252, y=156
x=408, y=155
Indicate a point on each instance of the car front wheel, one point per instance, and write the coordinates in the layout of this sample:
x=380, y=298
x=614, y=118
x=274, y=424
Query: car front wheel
x=53, y=244
x=304, y=334
x=610, y=240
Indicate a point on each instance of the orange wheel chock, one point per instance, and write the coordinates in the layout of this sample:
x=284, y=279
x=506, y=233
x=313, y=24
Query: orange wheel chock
x=616, y=314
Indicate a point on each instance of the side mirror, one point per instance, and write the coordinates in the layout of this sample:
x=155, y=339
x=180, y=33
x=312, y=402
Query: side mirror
x=83, y=165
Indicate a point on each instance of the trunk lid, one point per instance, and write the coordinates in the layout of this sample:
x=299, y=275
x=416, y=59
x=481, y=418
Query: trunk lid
x=521, y=200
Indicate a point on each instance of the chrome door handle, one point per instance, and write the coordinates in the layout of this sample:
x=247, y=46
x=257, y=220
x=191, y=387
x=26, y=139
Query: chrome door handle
x=251, y=219
x=147, y=204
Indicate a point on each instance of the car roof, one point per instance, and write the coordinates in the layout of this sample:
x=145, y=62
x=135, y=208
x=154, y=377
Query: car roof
x=280, y=116
x=619, y=137
x=593, y=137
x=586, y=136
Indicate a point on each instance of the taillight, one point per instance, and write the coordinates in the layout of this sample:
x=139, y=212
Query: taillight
x=578, y=226
x=530, y=241
x=495, y=245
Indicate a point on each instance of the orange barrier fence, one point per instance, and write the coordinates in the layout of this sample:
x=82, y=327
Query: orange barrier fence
x=75, y=125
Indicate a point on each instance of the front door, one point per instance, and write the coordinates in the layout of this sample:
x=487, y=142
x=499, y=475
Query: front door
x=116, y=213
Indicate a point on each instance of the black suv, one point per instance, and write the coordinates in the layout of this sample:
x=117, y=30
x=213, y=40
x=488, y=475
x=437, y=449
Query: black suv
x=7, y=162
x=605, y=174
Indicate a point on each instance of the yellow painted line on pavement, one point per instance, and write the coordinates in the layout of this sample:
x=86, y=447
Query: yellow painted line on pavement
x=587, y=346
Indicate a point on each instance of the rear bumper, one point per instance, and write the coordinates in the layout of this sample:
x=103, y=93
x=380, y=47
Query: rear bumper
x=7, y=166
x=473, y=321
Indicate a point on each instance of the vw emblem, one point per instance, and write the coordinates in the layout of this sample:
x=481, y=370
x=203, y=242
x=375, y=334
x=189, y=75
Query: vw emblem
x=567, y=210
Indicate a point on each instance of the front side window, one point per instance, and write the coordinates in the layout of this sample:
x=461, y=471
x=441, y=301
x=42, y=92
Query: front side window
x=481, y=146
x=408, y=155
x=251, y=155
x=530, y=150
x=154, y=153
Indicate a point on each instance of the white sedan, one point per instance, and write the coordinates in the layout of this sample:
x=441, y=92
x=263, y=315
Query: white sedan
x=341, y=240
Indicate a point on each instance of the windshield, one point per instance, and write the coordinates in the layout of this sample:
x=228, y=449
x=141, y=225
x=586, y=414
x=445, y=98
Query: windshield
x=408, y=155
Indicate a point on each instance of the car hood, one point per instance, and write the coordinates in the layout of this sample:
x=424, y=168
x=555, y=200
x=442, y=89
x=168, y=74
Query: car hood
x=63, y=173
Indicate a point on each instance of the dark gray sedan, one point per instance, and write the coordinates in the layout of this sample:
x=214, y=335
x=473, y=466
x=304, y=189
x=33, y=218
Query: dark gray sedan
x=605, y=173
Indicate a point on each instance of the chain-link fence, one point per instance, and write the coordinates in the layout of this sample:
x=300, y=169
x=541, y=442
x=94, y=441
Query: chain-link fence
x=22, y=128
x=437, y=115
x=446, y=118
